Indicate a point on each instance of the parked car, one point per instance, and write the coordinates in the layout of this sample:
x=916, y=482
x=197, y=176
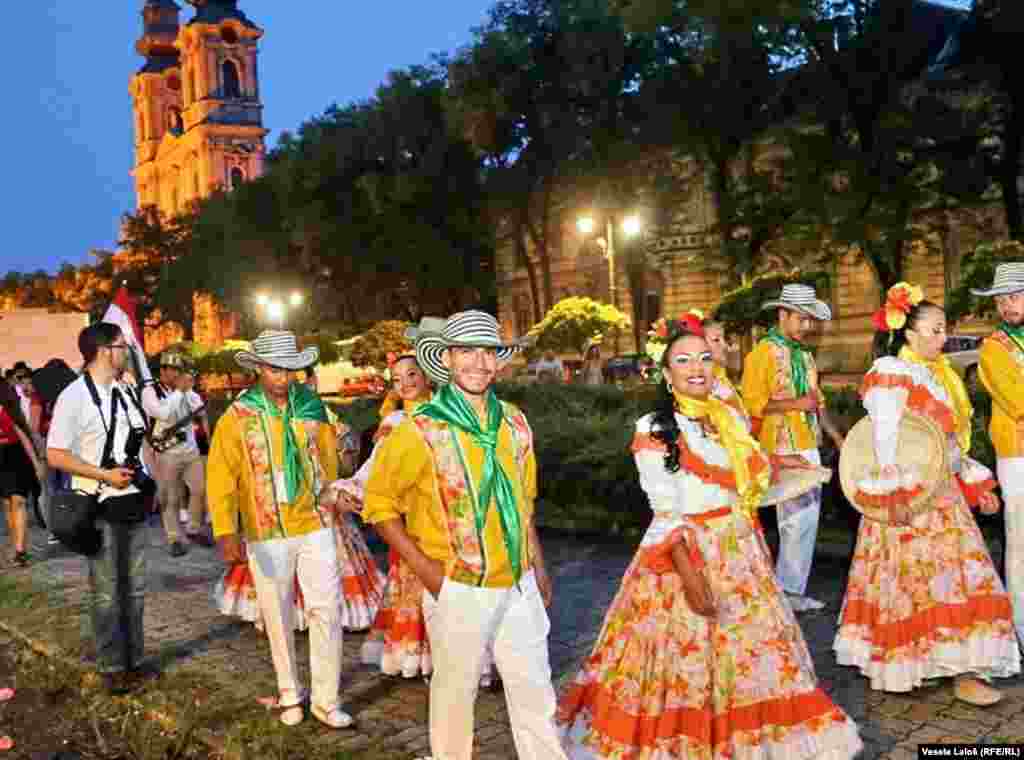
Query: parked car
x=623, y=367
x=963, y=352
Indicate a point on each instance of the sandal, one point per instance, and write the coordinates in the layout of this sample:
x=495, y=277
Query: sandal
x=292, y=715
x=976, y=692
x=333, y=718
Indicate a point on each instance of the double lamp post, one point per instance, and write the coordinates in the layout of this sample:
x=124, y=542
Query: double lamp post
x=631, y=226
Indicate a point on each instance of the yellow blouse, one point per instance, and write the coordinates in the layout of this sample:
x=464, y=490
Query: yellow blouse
x=763, y=382
x=1003, y=378
x=405, y=483
x=229, y=483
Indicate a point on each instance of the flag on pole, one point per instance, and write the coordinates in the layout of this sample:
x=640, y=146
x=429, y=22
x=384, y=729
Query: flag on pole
x=121, y=312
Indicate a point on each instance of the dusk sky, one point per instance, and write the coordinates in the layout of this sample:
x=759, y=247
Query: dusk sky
x=68, y=127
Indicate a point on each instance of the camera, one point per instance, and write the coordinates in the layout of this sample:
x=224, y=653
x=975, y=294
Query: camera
x=132, y=461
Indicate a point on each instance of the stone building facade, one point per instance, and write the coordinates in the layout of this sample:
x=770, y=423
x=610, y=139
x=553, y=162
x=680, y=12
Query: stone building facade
x=198, y=122
x=683, y=270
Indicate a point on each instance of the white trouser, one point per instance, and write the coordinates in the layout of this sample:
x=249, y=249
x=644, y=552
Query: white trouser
x=798, y=532
x=176, y=469
x=460, y=624
x=1011, y=480
x=274, y=566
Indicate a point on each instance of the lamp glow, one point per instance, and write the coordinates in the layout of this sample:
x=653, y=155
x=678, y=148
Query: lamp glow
x=632, y=225
x=585, y=224
x=296, y=298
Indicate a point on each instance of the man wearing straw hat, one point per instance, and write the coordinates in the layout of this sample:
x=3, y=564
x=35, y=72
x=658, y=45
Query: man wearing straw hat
x=271, y=454
x=461, y=471
x=1002, y=374
x=787, y=407
x=179, y=466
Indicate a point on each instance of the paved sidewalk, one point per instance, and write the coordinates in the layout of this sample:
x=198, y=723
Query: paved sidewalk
x=185, y=631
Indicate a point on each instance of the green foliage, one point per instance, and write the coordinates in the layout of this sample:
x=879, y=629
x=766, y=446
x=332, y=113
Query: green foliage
x=572, y=323
x=976, y=272
x=373, y=346
x=740, y=309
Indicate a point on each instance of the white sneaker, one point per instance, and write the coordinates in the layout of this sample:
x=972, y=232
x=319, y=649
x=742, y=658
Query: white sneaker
x=183, y=515
x=804, y=603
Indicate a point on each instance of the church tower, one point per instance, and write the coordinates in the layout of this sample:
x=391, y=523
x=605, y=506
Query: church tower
x=198, y=115
x=198, y=119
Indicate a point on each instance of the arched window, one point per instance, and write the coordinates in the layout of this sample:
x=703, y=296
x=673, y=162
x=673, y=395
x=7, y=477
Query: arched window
x=229, y=75
x=237, y=177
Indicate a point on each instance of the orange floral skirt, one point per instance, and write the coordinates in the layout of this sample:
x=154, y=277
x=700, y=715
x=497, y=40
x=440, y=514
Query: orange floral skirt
x=663, y=682
x=925, y=601
x=362, y=585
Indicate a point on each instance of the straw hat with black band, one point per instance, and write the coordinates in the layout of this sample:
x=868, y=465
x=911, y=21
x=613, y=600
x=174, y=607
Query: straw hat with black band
x=467, y=329
x=278, y=349
x=1009, y=279
x=800, y=298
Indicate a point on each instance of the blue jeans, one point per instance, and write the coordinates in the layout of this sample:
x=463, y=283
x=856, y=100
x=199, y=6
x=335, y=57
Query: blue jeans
x=116, y=598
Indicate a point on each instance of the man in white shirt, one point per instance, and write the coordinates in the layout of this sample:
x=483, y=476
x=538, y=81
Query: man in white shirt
x=87, y=412
x=179, y=465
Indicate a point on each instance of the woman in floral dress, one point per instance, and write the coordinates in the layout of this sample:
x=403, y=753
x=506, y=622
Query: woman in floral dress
x=923, y=598
x=362, y=582
x=699, y=655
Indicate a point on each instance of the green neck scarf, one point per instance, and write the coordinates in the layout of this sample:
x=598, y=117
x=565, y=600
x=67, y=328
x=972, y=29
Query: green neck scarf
x=797, y=366
x=1015, y=333
x=797, y=362
x=450, y=406
x=304, y=405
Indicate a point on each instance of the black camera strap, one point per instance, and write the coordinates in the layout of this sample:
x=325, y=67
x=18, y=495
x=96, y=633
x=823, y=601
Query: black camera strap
x=115, y=396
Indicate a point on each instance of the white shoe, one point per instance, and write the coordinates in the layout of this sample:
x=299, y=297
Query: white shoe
x=801, y=603
x=183, y=515
x=334, y=718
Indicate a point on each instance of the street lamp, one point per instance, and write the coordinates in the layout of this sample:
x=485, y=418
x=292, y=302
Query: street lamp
x=275, y=310
x=262, y=299
x=296, y=298
x=631, y=227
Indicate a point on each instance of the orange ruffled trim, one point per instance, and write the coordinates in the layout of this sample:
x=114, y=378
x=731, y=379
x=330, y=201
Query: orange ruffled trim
x=694, y=465
x=899, y=497
x=973, y=491
x=920, y=399
x=888, y=637
x=698, y=724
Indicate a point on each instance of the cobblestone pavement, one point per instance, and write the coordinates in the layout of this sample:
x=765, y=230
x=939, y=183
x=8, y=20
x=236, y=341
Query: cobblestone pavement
x=185, y=631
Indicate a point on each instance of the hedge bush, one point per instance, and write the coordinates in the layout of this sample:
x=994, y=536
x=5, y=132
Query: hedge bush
x=587, y=479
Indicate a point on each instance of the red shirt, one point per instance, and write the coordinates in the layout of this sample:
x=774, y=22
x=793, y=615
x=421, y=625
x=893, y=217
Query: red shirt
x=7, y=433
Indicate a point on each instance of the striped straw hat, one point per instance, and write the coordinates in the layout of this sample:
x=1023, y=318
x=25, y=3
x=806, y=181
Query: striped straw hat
x=471, y=329
x=1009, y=279
x=801, y=298
x=277, y=348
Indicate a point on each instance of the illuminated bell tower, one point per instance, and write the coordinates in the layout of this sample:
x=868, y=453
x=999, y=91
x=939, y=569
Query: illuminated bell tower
x=198, y=119
x=222, y=107
x=156, y=98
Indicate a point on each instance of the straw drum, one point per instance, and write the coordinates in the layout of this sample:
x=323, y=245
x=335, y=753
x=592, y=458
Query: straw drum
x=921, y=456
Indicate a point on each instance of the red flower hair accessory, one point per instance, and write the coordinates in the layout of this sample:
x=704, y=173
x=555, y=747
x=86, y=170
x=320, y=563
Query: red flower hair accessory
x=899, y=300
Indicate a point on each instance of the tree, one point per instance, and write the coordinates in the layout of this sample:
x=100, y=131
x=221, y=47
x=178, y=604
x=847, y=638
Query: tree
x=541, y=93
x=373, y=346
x=573, y=323
x=150, y=245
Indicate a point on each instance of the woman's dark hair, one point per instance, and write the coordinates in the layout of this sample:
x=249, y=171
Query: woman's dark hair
x=888, y=343
x=664, y=427
x=96, y=336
